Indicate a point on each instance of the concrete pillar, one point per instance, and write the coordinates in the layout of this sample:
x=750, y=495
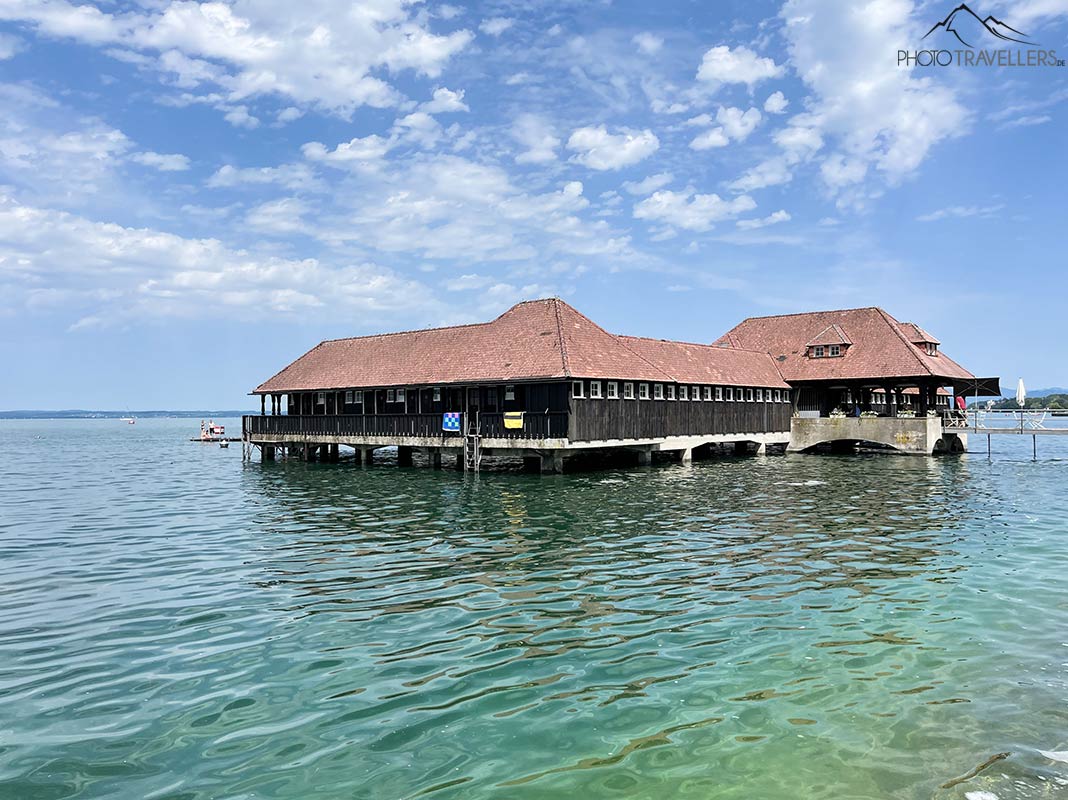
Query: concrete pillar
x=404, y=456
x=761, y=449
x=268, y=453
x=435, y=459
x=552, y=463
x=686, y=456
x=645, y=458
x=368, y=456
x=532, y=463
x=460, y=460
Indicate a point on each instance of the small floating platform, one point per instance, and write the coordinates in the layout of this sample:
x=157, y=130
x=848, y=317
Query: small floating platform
x=216, y=440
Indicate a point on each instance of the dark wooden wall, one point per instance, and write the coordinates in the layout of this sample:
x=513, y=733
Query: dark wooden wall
x=595, y=420
x=590, y=419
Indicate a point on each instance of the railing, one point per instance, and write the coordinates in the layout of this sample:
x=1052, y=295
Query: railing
x=535, y=425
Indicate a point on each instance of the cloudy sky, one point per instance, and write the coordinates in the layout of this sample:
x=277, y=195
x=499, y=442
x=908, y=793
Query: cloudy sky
x=192, y=194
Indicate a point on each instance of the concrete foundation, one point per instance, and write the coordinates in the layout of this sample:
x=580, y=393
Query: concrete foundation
x=916, y=435
x=404, y=456
x=435, y=458
x=552, y=463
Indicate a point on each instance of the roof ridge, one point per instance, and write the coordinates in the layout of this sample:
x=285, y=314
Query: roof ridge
x=895, y=326
x=411, y=330
x=812, y=313
x=560, y=336
x=694, y=344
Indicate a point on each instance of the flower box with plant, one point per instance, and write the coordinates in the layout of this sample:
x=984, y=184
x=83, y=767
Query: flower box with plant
x=837, y=414
x=907, y=413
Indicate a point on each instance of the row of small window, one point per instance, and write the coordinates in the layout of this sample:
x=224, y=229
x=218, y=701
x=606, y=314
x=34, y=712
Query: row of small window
x=830, y=351
x=669, y=391
x=355, y=396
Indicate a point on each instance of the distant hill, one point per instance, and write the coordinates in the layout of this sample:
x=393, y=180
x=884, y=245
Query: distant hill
x=78, y=413
x=1056, y=400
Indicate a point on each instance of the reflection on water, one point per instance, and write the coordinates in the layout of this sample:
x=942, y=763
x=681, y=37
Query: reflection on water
x=177, y=624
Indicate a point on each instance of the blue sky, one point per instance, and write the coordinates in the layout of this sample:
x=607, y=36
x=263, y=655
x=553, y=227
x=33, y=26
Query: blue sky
x=192, y=194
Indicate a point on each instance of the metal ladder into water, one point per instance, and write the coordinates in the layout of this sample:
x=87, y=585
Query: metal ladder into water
x=472, y=445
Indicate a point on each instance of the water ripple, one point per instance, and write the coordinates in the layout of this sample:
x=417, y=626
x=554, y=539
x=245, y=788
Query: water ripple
x=175, y=624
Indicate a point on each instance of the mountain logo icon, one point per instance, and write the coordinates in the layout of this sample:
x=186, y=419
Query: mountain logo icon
x=968, y=27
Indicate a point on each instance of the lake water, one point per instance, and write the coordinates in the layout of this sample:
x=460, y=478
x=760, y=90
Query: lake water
x=177, y=624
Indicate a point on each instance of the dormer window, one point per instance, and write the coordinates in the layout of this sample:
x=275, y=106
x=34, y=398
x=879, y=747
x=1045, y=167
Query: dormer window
x=831, y=342
x=931, y=348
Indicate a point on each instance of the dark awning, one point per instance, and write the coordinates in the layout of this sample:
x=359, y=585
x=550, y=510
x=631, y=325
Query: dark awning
x=978, y=387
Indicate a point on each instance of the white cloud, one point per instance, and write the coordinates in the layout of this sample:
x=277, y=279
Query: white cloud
x=650, y=184
x=445, y=100
x=495, y=26
x=648, y=43
x=772, y=219
x=104, y=273
x=240, y=118
x=10, y=46
x=741, y=65
x=694, y=212
x=877, y=120
x=798, y=143
x=418, y=128
x=1028, y=121
x=738, y=124
x=289, y=114
x=538, y=137
x=326, y=55
x=734, y=125
x=434, y=207
x=358, y=151
x=164, y=162
x=961, y=212
x=292, y=176
x=598, y=149
x=709, y=139
x=776, y=103
x=54, y=157
x=278, y=217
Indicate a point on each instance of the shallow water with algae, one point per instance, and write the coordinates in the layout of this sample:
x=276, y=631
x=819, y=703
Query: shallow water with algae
x=177, y=624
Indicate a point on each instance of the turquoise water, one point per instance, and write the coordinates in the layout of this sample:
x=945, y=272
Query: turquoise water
x=177, y=624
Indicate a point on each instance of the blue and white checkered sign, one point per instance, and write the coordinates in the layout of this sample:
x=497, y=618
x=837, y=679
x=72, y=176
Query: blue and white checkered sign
x=451, y=422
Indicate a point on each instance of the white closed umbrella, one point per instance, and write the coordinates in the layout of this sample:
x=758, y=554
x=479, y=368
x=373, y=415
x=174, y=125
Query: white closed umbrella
x=1021, y=396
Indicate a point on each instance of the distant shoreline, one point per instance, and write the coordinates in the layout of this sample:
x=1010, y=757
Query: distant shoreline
x=152, y=414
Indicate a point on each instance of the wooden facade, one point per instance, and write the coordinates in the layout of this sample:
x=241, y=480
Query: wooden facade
x=552, y=410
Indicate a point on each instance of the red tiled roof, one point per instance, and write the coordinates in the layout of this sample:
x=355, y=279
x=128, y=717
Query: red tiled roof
x=535, y=340
x=881, y=347
x=705, y=363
